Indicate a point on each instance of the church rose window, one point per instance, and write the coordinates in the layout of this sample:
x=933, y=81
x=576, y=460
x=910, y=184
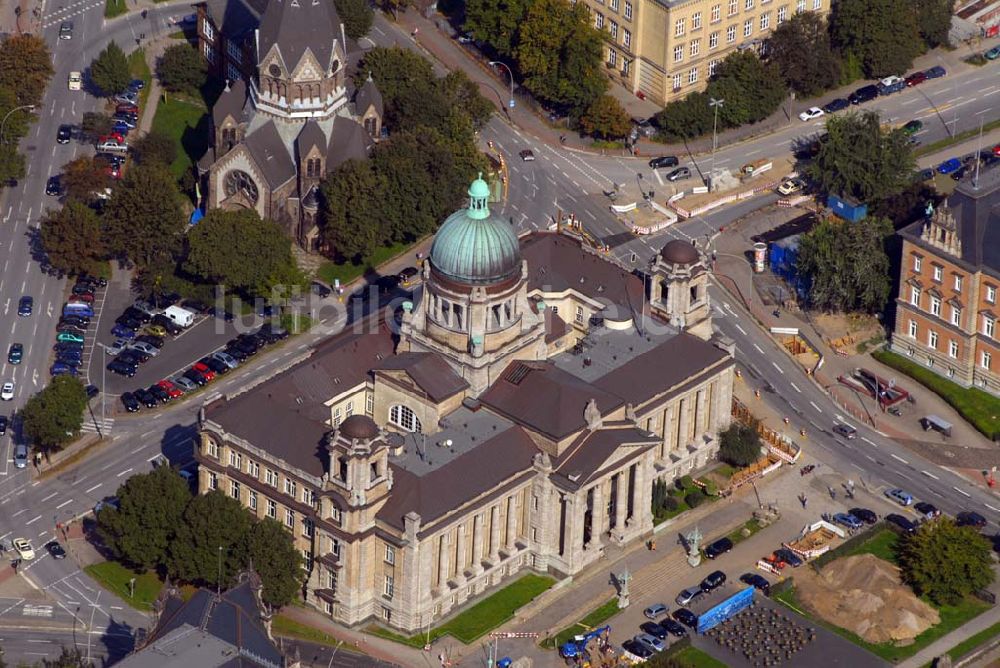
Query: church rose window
x=238, y=181
x=274, y=71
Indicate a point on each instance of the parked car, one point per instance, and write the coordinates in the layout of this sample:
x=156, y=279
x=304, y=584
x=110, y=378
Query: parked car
x=718, y=548
x=791, y=186
x=133, y=357
x=673, y=627
x=3, y=424
x=156, y=332
x=236, y=353
x=654, y=629
x=130, y=403
x=145, y=348
x=992, y=54
x=811, y=114
x=845, y=430
x=121, y=368
x=62, y=369
x=848, y=520
x=650, y=642
x=272, y=333
x=949, y=166
x=935, y=72
x=167, y=324
x=226, y=359
x=789, y=557
x=865, y=515
x=901, y=497
x=928, y=510
x=123, y=332
x=686, y=617
x=161, y=395
x=835, y=105
x=655, y=610
x=204, y=371
x=775, y=561
x=713, y=581
x=757, y=581
x=679, y=174
x=968, y=518
x=916, y=79
x=145, y=398
x=687, y=596
x=195, y=377
x=23, y=548
x=637, y=649
x=172, y=390
x=217, y=366
x=664, y=161
x=184, y=383
x=69, y=337
x=863, y=94
x=15, y=353
x=901, y=522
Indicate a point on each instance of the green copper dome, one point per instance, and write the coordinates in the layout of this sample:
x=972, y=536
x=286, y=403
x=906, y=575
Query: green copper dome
x=475, y=247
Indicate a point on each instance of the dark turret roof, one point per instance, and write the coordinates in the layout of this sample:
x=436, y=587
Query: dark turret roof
x=359, y=426
x=368, y=96
x=299, y=25
x=230, y=103
x=679, y=252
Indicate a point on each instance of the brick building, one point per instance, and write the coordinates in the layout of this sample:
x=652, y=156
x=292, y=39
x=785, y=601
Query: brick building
x=514, y=418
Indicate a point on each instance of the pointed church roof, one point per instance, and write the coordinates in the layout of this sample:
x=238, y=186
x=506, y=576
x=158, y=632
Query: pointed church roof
x=347, y=140
x=368, y=95
x=270, y=154
x=230, y=103
x=299, y=25
x=312, y=135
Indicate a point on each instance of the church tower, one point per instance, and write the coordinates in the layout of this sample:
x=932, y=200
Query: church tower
x=678, y=288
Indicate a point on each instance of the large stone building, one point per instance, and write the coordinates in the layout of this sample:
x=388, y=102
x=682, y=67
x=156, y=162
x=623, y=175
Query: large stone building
x=289, y=114
x=664, y=49
x=947, y=310
x=513, y=418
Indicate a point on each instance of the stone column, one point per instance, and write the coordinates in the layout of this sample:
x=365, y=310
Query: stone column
x=477, y=543
x=621, y=504
x=443, y=561
x=642, y=519
x=699, y=412
x=495, y=534
x=511, y=521
x=597, y=513
x=683, y=418
x=460, y=551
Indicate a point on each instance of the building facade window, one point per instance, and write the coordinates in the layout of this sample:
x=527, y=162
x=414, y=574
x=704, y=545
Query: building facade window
x=932, y=339
x=958, y=284
x=338, y=416
x=678, y=53
x=782, y=14
x=678, y=80
x=613, y=29
x=209, y=53
x=938, y=273
x=628, y=11
x=986, y=359
x=207, y=30
x=389, y=587
x=613, y=4
x=272, y=509
x=748, y=5
x=716, y=13
x=918, y=263
x=252, y=499
x=800, y=6
x=271, y=477
x=914, y=296
x=213, y=481
x=679, y=27
x=734, y=6
x=390, y=554
x=234, y=490
x=626, y=38
x=612, y=57
x=952, y=348
x=913, y=329
x=213, y=449
x=956, y=316
x=991, y=294
x=712, y=66
x=253, y=469
x=579, y=315
x=307, y=527
x=404, y=418
x=289, y=518
x=935, y=306
x=696, y=21
x=817, y=4
x=290, y=487
x=349, y=409
x=695, y=47
x=730, y=34
x=748, y=27
x=369, y=403
x=234, y=51
x=235, y=460
x=693, y=75
x=713, y=40
x=599, y=20
x=765, y=20
x=989, y=326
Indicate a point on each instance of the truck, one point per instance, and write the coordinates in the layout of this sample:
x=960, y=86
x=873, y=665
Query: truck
x=180, y=315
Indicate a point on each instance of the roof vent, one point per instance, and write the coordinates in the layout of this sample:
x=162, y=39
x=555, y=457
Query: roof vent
x=298, y=400
x=600, y=288
x=573, y=477
x=517, y=373
x=582, y=280
x=378, y=356
x=336, y=381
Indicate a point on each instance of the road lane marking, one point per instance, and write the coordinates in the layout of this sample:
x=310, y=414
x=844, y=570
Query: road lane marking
x=742, y=331
x=759, y=349
x=64, y=503
x=813, y=404
x=930, y=475
x=962, y=492
x=996, y=510
x=778, y=368
x=898, y=458
x=19, y=512
x=88, y=491
x=31, y=521
x=869, y=442
x=796, y=388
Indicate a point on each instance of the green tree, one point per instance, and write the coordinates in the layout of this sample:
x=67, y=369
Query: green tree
x=143, y=219
x=686, y=118
x=883, y=34
x=357, y=16
x=53, y=417
x=84, y=179
x=271, y=551
x=150, y=509
x=211, y=521
x=496, y=22
x=156, y=148
x=752, y=89
x=861, y=160
x=394, y=6
x=739, y=445
x=109, y=71
x=241, y=251
x=18, y=120
x=846, y=264
x=352, y=206
x=462, y=93
x=934, y=21
x=946, y=562
x=12, y=164
x=182, y=69
x=801, y=50
x=559, y=54
x=71, y=237
x=96, y=124
x=68, y=658
x=606, y=119
x=25, y=67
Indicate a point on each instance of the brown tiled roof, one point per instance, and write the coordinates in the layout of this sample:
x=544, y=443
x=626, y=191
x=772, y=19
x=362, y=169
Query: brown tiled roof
x=545, y=398
x=469, y=475
x=674, y=361
x=555, y=327
x=585, y=457
x=285, y=415
x=431, y=373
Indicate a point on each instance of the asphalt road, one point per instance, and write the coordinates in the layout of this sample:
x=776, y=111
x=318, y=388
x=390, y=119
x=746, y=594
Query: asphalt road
x=571, y=181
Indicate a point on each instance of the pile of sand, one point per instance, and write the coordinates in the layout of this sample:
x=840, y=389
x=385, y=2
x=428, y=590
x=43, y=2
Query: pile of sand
x=865, y=595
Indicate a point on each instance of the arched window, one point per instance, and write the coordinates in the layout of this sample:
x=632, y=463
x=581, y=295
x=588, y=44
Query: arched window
x=370, y=126
x=404, y=418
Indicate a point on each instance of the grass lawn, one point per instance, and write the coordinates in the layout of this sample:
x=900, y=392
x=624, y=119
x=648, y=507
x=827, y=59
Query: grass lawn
x=974, y=642
x=113, y=8
x=753, y=526
x=482, y=617
x=692, y=657
x=186, y=122
x=284, y=626
x=329, y=272
x=115, y=578
x=980, y=408
x=595, y=618
x=882, y=545
x=662, y=514
x=952, y=617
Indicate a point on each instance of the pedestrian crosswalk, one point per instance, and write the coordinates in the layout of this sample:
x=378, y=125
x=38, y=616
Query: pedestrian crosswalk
x=97, y=425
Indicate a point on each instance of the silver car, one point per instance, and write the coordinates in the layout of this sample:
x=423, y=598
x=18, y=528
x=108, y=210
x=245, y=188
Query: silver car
x=145, y=348
x=688, y=595
x=651, y=643
x=185, y=384
x=66, y=30
x=226, y=359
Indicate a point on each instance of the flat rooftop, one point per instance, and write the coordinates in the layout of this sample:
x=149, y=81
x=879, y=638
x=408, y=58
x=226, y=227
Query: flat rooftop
x=603, y=350
x=459, y=433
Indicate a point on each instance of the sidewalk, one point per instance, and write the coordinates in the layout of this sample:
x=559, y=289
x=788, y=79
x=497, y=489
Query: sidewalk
x=962, y=633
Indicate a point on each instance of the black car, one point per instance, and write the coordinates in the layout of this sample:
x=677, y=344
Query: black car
x=155, y=341
x=15, y=353
x=968, y=518
x=320, y=290
x=935, y=72
x=237, y=353
x=166, y=323
x=64, y=134
x=637, y=649
x=664, y=161
x=3, y=425
x=128, y=322
x=92, y=391
x=196, y=306
x=56, y=550
x=789, y=557
x=121, y=368
x=718, y=548
x=928, y=510
x=136, y=314
x=130, y=403
x=83, y=288
x=132, y=357
x=838, y=104
x=93, y=280
x=67, y=345
x=901, y=522
x=864, y=94
x=25, y=306
x=272, y=333
x=686, y=617
x=196, y=377
x=673, y=627
x=75, y=321
x=161, y=395
x=53, y=187
x=713, y=581
x=70, y=357
x=146, y=398
x=215, y=365
x=757, y=581
x=865, y=515
x=654, y=629
x=248, y=344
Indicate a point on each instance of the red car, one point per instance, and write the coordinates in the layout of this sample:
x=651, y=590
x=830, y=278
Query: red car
x=113, y=137
x=126, y=108
x=996, y=150
x=86, y=298
x=916, y=78
x=170, y=389
x=775, y=561
x=204, y=370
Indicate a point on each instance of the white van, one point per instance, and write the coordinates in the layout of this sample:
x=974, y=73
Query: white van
x=180, y=315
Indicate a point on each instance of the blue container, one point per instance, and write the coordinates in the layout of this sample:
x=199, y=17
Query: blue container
x=846, y=208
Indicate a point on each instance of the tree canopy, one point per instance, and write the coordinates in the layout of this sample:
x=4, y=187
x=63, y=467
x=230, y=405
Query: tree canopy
x=946, y=562
x=109, y=71
x=270, y=549
x=84, y=179
x=357, y=16
x=96, y=124
x=934, y=20
x=352, y=200
x=496, y=22
x=883, y=34
x=143, y=218
x=801, y=50
x=155, y=148
x=25, y=67
x=241, y=251
x=739, y=445
x=71, y=237
x=150, y=508
x=861, y=160
x=53, y=417
x=210, y=521
x=182, y=69
x=846, y=264
x=606, y=119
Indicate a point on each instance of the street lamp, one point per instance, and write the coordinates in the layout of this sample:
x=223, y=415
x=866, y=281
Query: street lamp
x=715, y=104
x=497, y=63
x=3, y=123
x=104, y=384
